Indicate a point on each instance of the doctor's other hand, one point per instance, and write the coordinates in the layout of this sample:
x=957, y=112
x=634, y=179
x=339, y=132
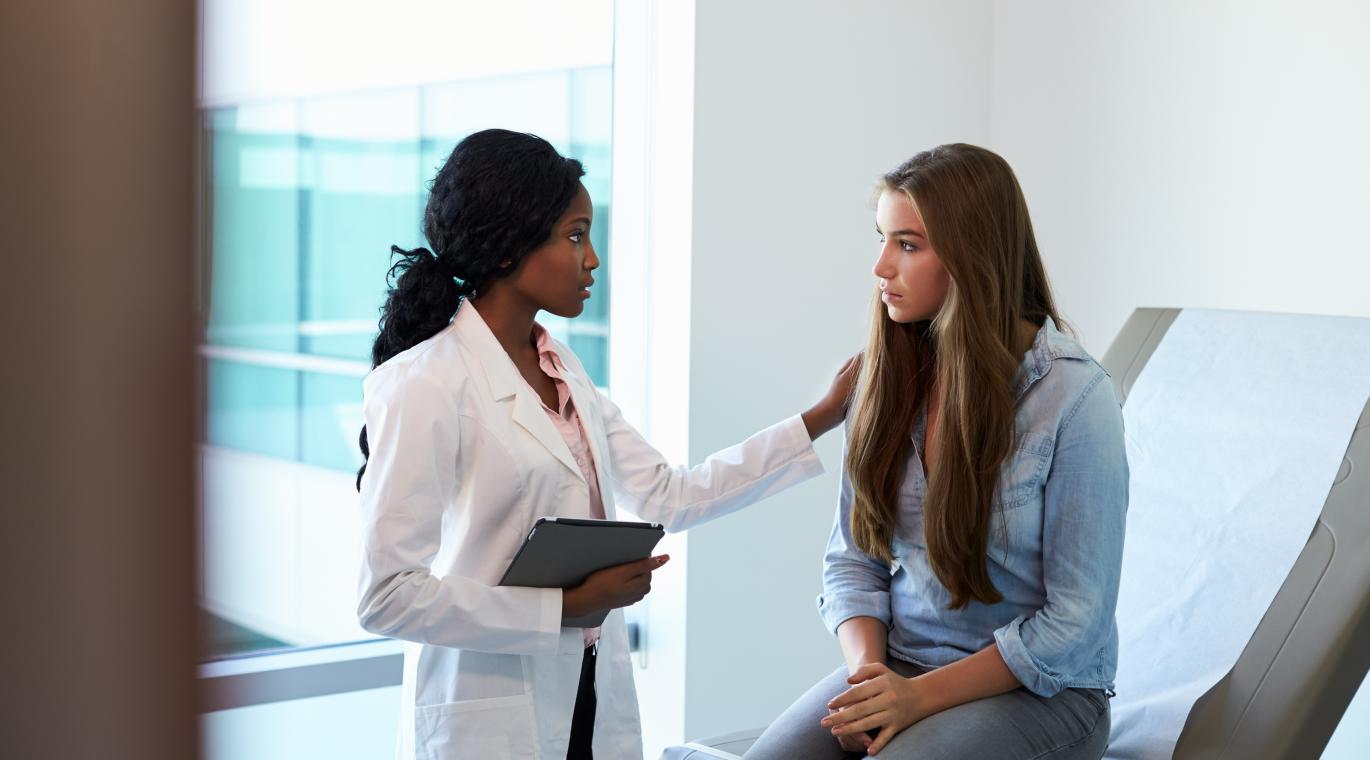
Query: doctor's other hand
x=830, y=410
x=611, y=588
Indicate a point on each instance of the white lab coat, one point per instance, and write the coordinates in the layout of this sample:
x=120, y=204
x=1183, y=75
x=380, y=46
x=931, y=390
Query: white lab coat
x=463, y=461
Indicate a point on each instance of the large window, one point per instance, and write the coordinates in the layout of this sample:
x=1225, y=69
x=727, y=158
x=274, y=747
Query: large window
x=303, y=200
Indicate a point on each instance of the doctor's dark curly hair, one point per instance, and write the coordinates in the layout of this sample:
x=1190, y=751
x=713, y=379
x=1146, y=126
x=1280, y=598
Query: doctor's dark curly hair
x=494, y=200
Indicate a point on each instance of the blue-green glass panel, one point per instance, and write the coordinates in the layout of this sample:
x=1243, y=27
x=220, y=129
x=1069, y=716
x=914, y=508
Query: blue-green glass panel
x=351, y=229
x=597, y=308
x=331, y=409
x=363, y=194
x=593, y=351
x=253, y=408
x=539, y=103
x=591, y=125
x=591, y=130
x=308, y=196
x=433, y=153
x=253, y=259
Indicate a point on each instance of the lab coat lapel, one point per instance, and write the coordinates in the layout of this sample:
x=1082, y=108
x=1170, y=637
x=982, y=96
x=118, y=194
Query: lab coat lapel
x=528, y=413
x=508, y=387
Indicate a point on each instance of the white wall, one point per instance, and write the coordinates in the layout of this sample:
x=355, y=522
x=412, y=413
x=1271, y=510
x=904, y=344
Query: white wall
x=1190, y=154
x=796, y=115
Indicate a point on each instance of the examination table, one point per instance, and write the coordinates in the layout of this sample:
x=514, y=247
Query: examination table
x=1298, y=672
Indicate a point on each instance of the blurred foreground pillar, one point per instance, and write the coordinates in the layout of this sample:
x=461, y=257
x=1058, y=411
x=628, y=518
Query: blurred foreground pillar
x=97, y=201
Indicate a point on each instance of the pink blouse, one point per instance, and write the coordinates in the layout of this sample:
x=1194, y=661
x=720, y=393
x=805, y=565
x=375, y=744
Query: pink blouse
x=568, y=423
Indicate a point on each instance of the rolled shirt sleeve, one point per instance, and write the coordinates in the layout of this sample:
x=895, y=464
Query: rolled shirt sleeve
x=855, y=584
x=1085, y=507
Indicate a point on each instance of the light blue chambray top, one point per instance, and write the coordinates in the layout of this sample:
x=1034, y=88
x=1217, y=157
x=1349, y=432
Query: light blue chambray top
x=1055, y=544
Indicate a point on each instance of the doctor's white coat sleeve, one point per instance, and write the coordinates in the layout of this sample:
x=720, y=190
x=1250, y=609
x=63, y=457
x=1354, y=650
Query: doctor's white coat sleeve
x=413, y=431
x=680, y=497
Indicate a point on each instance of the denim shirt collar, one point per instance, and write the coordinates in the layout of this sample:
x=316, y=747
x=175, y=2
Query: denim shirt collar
x=1050, y=343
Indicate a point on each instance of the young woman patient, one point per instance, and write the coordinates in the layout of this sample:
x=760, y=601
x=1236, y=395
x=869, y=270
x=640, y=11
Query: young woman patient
x=972, y=571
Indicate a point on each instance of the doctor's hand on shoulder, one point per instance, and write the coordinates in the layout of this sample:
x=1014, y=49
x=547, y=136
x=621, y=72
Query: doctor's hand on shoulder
x=613, y=587
x=830, y=410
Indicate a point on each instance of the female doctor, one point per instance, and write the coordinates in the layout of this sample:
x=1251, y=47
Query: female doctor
x=478, y=424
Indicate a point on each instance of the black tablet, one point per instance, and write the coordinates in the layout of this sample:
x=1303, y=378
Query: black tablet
x=561, y=552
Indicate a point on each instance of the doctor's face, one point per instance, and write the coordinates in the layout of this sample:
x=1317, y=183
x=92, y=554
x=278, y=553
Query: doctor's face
x=556, y=276
x=912, y=280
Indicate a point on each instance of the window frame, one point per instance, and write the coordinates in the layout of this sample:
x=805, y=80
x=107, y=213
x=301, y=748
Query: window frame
x=258, y=678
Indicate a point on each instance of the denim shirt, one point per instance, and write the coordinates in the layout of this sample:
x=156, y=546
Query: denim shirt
x=1055, y=543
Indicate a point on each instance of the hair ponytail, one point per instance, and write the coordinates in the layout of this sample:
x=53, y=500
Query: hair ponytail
x=495, y=199
x=419, y=303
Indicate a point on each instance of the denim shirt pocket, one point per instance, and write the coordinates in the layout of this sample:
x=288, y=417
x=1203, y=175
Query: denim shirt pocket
x=899, y=552
x=1024, y=471
x=908, y=537
x=908, y=529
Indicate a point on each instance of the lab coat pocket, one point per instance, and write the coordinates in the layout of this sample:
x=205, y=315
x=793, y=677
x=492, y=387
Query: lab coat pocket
x=476, y=728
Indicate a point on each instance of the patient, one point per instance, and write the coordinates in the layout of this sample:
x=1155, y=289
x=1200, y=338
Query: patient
x=972, y=571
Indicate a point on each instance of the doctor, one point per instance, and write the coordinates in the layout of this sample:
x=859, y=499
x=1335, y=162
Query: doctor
x=478, y=424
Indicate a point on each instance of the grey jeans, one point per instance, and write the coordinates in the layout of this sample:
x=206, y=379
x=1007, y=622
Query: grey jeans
x=1017, y=725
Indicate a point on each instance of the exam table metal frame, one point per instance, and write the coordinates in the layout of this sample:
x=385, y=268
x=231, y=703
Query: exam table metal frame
x=1287, y=692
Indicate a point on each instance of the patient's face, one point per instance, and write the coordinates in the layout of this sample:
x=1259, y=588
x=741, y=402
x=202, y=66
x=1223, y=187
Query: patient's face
x=910, y=273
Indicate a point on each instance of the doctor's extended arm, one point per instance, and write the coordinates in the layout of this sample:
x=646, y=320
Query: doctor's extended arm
x=766, y=463
x=680, y=497
x=414, y=433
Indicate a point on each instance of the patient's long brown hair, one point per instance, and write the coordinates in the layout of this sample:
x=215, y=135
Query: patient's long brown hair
x=977, y=221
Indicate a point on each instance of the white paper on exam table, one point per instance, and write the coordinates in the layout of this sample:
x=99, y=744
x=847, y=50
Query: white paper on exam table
x=1235, y=430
